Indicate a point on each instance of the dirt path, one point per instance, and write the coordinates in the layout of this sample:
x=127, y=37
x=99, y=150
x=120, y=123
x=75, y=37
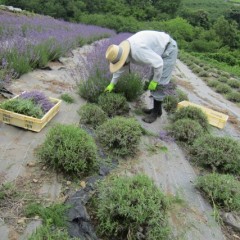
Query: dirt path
x=170, y=170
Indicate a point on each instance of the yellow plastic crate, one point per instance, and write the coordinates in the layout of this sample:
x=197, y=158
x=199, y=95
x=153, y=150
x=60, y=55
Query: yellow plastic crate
x=30, y=123
x=215, y=118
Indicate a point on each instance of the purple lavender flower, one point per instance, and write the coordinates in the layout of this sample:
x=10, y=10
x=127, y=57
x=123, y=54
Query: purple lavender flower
x=164, y=136
x=38, y=98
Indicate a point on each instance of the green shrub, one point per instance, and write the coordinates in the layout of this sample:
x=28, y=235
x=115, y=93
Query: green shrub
x=120, y=135
x=213, y=83
x=130, y=85
x=23, y=106
x=193, y=113
x=222, y=79
x=234, y=83
x=223, y=88
x=182, y=96
x=93, y=86
x=67, y=98
x=186, y=130
x=68, y=148
x=54, y=214
x=170, y=103
x=46, y=232
x=124, y=205
x=92, y=114
x=221, y=153
x=223, y=190
x=203, y=74
x=206, y=68
x=233, y=97
x=113, y=104
x=197, y=69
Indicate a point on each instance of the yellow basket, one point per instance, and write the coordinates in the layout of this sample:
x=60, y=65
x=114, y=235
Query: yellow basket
x=215, y=118
x=30, y=123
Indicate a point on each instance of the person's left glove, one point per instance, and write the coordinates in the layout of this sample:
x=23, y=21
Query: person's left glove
x=109, y=88
x=152, y=85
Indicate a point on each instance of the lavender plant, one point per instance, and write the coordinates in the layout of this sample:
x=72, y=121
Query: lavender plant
x=38, y=98
x=30, y=41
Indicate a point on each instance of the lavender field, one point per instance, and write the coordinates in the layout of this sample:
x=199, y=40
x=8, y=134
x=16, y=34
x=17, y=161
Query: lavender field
x=28, y=42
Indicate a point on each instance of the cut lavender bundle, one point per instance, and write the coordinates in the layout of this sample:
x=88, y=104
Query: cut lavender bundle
x=39, y=98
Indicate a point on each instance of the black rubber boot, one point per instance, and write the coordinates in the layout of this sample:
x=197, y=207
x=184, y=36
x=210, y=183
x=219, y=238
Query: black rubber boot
x=149, y=111
x=156, y=112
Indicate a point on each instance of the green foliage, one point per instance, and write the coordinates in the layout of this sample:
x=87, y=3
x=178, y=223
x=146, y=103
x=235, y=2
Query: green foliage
x=130, y=85
x=223, y=88
x=113, y=104
x=54, y=214
x=213, y=83
x=67, y=98
x=218, y=153
x=68, y=148
x=170, y=102
x=222, y=79
x=47, y=232
x=234, y=83
x=186, y=130
x=227, y=32
x=20, y=63
x=124, y=205
x=222, y=190
x=94, y=86
x=92, y=114
x=193, y=113
x=203, y=74
x=23, y=106
x=233, y=97
x=182, y=96
x=120, y=135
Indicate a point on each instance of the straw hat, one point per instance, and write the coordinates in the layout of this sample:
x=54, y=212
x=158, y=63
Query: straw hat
x=117, y=55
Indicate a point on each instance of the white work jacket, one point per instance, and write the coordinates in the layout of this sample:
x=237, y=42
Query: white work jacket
x=146, y=48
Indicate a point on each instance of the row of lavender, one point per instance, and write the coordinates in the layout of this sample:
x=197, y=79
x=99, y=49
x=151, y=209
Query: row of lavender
x=28, y=42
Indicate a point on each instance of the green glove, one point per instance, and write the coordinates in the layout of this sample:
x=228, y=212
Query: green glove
x=152, y=85
x=109, y=88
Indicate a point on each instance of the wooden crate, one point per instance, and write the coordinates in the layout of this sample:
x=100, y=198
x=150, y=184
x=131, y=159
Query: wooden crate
x=30, y=123
x=215, y=118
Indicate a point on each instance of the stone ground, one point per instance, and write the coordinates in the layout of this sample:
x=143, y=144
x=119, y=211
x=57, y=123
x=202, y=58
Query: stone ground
x=169, y=169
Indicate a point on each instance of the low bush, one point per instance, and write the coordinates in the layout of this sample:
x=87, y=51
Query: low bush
x=186, y=130
x=222, y=79
x=120, y=135
x=213, y=83
x=218, y=153
x=234, y=83
x=54, y=214
x=113, y=104
x=196, y=69
x=203, y=74
x=181, y=95
x=94, y=86
x=233, y=97
x=193, y=113
x=68, y=148
x=223, y=88
x=222, y=190
x=125, y=205
x=46, y=232
x=170, y=103
x=130, y=85
x=67, y=98
x=91, y=114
